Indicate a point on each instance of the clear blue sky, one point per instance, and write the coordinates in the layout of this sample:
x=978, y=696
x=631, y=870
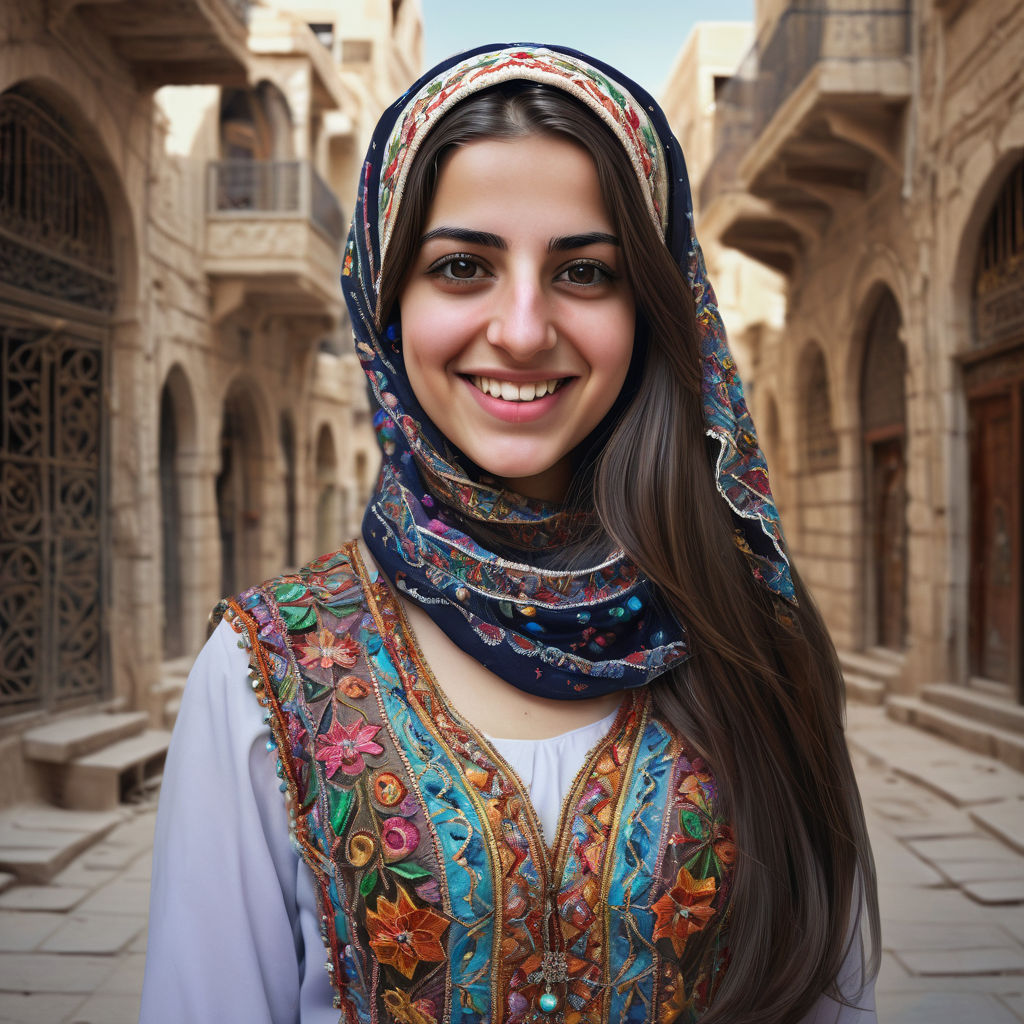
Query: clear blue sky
x=641, y=37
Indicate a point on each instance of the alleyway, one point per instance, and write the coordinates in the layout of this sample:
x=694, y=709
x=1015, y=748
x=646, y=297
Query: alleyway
x=948, y=833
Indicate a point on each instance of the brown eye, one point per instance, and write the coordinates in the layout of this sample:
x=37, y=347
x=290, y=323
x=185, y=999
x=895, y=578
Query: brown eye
x=462, y=269
x=586, y=275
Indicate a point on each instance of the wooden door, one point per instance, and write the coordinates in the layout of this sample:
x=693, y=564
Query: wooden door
x=995, y=536
x=889, y=540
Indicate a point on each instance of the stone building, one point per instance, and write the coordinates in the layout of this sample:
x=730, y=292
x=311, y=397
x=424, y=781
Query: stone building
x=181, y=414
x=872, y=154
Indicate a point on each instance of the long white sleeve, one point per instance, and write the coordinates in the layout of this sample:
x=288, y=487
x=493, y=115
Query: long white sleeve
x=233, y=932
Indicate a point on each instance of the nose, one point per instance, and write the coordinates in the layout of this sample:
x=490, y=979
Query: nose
x=522, y=323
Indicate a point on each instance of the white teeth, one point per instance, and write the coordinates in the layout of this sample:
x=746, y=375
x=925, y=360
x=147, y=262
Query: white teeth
x=510, y=392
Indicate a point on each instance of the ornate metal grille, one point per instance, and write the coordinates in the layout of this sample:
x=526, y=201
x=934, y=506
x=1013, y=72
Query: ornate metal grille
x=50, y=516
x=54, y=226
x=999, y=284
x=821, y=443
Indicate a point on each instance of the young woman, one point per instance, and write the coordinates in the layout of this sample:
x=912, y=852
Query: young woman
x=560, y=737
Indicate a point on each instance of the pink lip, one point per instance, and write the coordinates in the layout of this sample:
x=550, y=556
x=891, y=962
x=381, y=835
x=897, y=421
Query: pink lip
x=516, y=412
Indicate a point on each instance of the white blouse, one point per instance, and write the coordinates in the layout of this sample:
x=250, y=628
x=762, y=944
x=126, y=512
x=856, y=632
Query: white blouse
x=233, y=932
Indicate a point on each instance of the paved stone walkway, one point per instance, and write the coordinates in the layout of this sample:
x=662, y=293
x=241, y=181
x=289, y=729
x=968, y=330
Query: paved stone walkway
x=948, y=834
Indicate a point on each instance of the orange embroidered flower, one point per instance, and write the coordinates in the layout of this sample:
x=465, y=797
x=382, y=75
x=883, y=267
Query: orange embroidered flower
x=405, y=935
x=388, y=789
x=684, y=909
x=343, y=746
x=326, y=649
x=354, y=687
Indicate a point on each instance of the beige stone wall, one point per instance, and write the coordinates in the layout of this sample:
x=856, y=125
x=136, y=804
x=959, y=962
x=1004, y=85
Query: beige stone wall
x=914, y=229
x=209, y=308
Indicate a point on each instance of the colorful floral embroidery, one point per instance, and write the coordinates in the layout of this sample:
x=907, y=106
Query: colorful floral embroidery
x=326, y=649
x=343, y=746
x=686, y=908
x=405, y=935
x=639, y=871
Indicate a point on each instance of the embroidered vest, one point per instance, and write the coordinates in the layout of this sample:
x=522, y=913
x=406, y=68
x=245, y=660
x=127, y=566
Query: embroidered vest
x=439, y=899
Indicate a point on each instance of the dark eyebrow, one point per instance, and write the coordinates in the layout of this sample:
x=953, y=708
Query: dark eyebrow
x=580, y=241
x=485, y=238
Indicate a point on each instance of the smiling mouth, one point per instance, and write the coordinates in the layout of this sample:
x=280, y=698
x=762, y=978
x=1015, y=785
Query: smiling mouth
x=510, y=392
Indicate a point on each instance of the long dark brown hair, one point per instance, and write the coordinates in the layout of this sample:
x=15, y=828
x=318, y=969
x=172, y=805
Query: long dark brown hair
x=762, y=696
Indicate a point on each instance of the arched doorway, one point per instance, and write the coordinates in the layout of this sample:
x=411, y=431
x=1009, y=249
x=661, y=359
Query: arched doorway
x=238, y=492
x=170, y=527
x=328, y=511
x=289, y=484
x=994, y=387
x=58, y=287
x=883, y=434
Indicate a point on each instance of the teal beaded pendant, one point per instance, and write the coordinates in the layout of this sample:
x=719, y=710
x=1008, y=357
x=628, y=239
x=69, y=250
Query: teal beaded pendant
x=548, y=1002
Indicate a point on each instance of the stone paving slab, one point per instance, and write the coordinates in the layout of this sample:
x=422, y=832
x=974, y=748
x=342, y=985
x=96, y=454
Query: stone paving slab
x=965, y=848
x=917, y=935
x=37, y=1008
x=21, y=931
x=42, y=897
x=1011, y=891
x=94, y=933
x=78, y=876
x=51, y=972
x=1005, y=820
x=122, y=895
x=107, y=1009
x=943, y=1008
x=994, y=960
x=964, y=778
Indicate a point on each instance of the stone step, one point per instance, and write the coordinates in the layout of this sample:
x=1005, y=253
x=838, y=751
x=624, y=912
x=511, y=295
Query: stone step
x=37, y=841
x=70, y=738
x=967, y=732
x=885, y=668
x=863, y=689
x=985, y=707
x=100, y=780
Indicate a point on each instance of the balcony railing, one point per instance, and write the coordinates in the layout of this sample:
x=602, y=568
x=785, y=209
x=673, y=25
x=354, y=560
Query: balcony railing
x=808, y=33
x=261, y=189
x=833, y=30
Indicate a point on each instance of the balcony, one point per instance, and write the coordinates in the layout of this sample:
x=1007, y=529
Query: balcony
x=170, y=42
x=274, y=231
x=810, y=120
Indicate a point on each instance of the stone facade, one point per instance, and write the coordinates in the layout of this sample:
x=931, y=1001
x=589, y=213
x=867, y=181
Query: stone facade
x=182, y=330
x=871, y=154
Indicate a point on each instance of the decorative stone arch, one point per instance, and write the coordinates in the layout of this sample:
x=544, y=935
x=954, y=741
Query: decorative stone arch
x=329, y=514
x=240, y=484
x=991, y=361
x=66, y=264
x=178, y=463
x=277, y=113
x=819, y=438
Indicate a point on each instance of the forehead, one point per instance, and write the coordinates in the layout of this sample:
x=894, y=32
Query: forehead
x=531, y=180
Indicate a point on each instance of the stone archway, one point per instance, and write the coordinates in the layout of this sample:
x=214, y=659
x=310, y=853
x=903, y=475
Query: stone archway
x=993, y=375
x=238, y=491
x=328, y=506
x=58, y=289
x=883, y=437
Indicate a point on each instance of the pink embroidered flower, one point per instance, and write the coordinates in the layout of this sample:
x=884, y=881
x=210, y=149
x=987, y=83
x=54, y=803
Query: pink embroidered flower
x=343, y=746
x=399, y=838
x=326, y=649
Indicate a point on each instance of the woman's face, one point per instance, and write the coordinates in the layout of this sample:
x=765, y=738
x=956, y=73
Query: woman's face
x=517, y=319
